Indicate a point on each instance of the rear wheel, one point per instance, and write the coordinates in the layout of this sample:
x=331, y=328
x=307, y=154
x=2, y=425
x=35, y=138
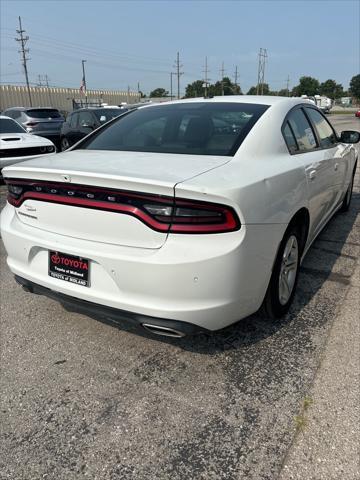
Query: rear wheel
x=64, y=144
x=281, y=289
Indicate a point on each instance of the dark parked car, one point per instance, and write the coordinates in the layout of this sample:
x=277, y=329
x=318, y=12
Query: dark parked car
x=83, y=121
x=45, y=122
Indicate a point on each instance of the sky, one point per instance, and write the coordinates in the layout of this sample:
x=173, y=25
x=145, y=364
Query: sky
x=129, y=42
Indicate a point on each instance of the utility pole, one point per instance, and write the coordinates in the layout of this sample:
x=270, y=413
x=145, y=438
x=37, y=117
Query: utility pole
x=287, y=85
x=261, y=71
x=236, y=75
x=178, y=73
x=45, y=79
x=222, y=72
x=83, y=83
x=128, y=94
x=48, y=88
x=23, y=52
x=171, y=85
x=206, y=78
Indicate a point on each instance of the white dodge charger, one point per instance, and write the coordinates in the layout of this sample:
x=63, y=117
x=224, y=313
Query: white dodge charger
x=181, y=217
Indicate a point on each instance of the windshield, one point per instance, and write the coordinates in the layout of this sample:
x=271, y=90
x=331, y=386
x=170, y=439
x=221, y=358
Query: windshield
x=201, y=128
x=43, y=113
x=107, y=114
x=10, y=126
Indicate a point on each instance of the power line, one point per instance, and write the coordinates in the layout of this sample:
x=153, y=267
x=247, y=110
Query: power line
x=23, y=39
x=261, y=71
x=178, y=73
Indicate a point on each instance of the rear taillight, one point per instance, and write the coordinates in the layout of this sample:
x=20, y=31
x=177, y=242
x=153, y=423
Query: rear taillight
x=161, y=213
x=31, y=124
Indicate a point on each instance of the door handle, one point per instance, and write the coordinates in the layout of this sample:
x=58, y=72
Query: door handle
x=336, y=166
x=312, y=174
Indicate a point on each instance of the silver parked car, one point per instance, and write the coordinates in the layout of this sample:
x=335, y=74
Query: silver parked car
x=43, y=121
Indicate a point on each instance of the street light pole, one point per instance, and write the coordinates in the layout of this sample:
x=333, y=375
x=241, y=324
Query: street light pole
x=84, y=81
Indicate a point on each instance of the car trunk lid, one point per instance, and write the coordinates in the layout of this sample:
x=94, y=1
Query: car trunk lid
x=92, y=194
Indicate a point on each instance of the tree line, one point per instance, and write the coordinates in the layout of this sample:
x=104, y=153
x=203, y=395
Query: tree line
x=307, y=86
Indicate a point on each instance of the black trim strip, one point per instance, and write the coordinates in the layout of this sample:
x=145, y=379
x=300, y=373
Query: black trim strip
x=108, y=314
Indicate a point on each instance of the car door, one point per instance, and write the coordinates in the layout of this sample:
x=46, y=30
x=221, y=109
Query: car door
x=318, y=167
x=72, y=130
x=339, y=153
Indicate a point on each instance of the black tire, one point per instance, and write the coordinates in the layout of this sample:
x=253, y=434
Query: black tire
x=64, y=144
x=275, y=306
x=347, y=199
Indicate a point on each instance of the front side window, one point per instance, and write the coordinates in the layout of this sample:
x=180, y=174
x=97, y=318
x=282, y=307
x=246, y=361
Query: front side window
x=10, y=126
x=73, y=121
x=302, y=130
x=325, y=133
x=197, y=128
x=86, y=119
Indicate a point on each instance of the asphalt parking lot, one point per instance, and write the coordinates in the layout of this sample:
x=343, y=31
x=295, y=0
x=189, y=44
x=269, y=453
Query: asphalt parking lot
x=84, y=399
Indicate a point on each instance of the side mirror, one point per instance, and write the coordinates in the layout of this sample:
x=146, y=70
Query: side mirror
x=349, y=136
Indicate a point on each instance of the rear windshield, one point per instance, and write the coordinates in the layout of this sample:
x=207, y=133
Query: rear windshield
x=189, y=128
x=10, y=126
x=43, y=113
x=107, y=114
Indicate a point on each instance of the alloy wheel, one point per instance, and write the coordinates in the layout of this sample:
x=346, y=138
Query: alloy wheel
x=288, y=269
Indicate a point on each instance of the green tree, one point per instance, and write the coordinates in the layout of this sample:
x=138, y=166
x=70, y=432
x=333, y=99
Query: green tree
x=307, y=86
x=284, y=92
x=265, y=89
x=230, y=88
x=197, y=89
x=194, y=89
x=159, y=92
x=355, y=86
x=331, y=89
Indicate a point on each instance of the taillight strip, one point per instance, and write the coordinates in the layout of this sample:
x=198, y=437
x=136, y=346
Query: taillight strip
x=224, y=219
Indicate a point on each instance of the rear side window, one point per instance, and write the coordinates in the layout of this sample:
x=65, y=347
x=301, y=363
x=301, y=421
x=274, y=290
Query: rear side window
x=43, y=113
x=325, y=133
x=289, y=138
x=197, y=128
x=302, y=130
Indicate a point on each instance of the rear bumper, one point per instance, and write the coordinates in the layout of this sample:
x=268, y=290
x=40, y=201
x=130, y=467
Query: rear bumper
x=112, y=315
x=208, y=281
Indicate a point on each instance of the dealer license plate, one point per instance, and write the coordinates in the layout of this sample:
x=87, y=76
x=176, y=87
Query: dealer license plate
x=69, y=268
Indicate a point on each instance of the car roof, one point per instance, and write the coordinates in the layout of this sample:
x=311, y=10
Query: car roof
x=31, y=108
x=92, y=109
x=7, y=118
x=254, y=99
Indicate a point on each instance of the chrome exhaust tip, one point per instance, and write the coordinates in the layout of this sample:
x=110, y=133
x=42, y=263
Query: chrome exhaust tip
x=164, y=331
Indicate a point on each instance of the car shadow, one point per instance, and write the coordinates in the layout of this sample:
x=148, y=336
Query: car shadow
x=315, y=270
